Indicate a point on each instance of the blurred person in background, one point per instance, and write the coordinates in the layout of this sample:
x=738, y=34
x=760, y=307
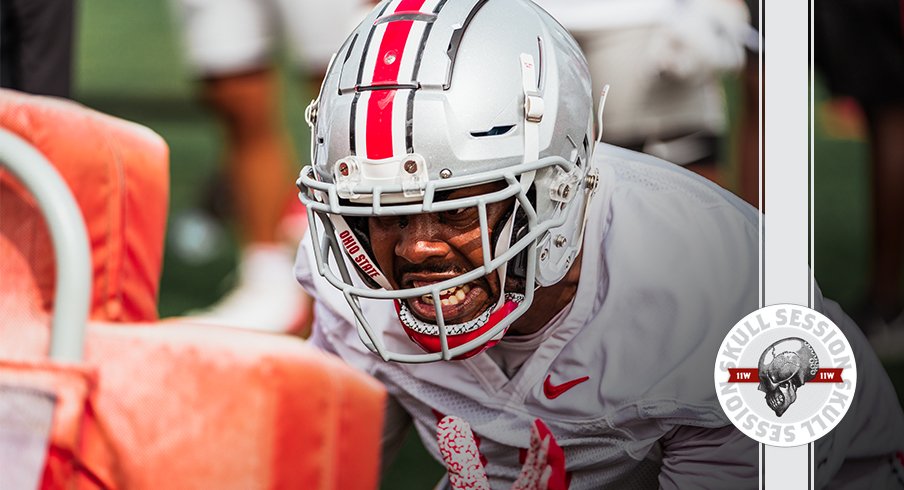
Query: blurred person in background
x=663, y=61
x=230, y=46
x=860, y=51
x=36, y=46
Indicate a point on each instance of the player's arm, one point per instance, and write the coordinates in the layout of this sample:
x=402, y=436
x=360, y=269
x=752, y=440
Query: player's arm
x=695, y=457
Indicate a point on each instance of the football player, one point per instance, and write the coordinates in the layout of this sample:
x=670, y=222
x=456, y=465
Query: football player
x=230, y=47
x=573, y=294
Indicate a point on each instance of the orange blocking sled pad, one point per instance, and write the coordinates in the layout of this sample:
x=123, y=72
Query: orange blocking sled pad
x=154, y=404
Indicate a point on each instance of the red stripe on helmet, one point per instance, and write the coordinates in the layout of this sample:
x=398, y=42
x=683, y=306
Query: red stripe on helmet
x=386, y=72
x=389, y=57
x=379, y=124
x=409, y=5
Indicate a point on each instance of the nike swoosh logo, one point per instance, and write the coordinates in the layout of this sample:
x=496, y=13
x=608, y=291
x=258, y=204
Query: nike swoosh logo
x=554, y=391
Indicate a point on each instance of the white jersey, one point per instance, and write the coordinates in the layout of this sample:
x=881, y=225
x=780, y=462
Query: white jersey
x=623, y=378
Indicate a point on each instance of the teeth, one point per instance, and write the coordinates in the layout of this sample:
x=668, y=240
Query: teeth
x=455, y=296
x=422, y=327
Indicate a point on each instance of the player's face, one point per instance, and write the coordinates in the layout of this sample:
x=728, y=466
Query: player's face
x=422, y=249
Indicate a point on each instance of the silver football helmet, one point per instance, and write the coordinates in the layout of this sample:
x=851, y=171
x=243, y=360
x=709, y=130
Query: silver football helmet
x=429, y=96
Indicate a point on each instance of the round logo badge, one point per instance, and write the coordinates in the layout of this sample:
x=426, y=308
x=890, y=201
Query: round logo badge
x=785, y=375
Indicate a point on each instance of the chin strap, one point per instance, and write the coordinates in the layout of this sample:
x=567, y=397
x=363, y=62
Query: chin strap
x=533, y=114
x=534, y=108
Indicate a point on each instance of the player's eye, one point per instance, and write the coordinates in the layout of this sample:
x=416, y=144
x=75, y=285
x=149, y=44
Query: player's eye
x=460, y=216
x=387, y=221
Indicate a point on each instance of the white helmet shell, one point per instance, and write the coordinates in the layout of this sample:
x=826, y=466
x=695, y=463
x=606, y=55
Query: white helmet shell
x=431, y=95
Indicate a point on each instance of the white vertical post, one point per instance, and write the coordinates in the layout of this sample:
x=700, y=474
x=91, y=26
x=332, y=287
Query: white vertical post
x=786, y=270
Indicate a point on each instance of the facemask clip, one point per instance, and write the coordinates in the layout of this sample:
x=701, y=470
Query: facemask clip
x=413, y=175
x=347, y=175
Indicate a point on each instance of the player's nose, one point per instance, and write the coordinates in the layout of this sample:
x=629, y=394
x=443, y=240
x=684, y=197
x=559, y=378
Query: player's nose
x=420, y=240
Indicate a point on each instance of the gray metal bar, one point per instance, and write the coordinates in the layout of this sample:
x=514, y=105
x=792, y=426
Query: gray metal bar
x=70, y=243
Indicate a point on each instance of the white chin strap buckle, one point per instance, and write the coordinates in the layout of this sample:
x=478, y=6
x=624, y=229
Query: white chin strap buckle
x=533, y=108
x=533, y=103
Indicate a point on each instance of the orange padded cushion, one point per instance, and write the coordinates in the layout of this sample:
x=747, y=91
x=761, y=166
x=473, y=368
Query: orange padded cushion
x=118, y=173
x=183, y=406
x=186, y=406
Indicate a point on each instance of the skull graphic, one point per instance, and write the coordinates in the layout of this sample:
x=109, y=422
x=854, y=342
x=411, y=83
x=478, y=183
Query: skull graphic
x=784, y=367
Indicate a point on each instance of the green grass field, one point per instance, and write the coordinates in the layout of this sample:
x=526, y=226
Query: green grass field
x=129, y=65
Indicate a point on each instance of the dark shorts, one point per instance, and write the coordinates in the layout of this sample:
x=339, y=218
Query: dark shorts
x=36, y=45
x=859, y=48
